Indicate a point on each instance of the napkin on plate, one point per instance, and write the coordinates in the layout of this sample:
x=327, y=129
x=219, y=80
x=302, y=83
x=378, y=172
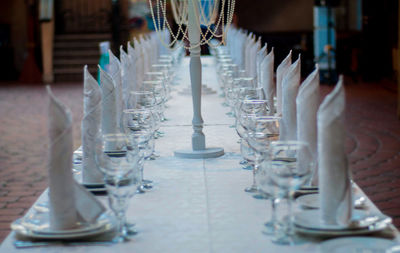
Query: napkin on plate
x=290, y=87
x=145, y=55
x=127, y=76
x=280, y=73
x=261, y=54
x=115, y=73
x=267, y=80
x=253, y=58
x=91, y=123
x=335, y=191
x=69, y=202
x=109, y=120
x=139, y=64
x=307, y=103
x=133, y=58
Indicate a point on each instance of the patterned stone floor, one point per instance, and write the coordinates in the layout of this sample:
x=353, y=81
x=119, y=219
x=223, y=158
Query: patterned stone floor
x=373, y=143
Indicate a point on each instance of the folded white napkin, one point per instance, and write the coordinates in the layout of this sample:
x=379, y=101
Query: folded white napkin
x=145, y=55
x=91, y=123
x=261, y=54
x=253, y=58
x=280, y=73
x=335, y=193
x=109, y=120
x=115, y=73
x=127, y=76
x=267, y=80
x=307, y=103
x=246, y=56
x=139, y=63
x=69, y=202
x=290, y=87
x=133, y=58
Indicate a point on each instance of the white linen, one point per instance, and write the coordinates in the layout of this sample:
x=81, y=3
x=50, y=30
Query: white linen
x=335, y=191
x=290, y=87
x=261, y=54
x=110, y=121
x=139, y=64
x=307, y=103
x=253, y=59
x=280, y=73
x=115, y=73
x=91, y=123
x=267, y=80
x=69, y=202
x=128, y=70
x=133, y=58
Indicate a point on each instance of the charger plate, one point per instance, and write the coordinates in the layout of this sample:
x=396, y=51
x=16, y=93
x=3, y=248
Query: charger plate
x=308, y=222
x=356, y=245
x=40, y=228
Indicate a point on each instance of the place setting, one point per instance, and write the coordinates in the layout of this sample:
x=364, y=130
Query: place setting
x=71, y=212
x=294, y=146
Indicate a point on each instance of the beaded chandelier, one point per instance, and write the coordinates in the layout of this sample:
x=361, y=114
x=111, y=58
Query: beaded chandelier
x=214, y=16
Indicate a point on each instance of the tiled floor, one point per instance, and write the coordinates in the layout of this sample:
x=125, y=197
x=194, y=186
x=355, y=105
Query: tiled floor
x=373, y=143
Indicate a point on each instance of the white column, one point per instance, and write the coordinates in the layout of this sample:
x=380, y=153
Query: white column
x=198, y=138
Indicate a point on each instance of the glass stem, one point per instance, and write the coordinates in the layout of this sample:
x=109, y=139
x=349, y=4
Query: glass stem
x=273, y=214
x=290, y=213
x=255, y=167
x=121, y=224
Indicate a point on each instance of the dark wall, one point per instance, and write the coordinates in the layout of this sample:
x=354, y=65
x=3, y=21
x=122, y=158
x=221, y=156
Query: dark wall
x=275, y=16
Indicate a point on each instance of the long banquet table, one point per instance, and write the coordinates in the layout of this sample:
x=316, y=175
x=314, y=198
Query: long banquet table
x=195, y=205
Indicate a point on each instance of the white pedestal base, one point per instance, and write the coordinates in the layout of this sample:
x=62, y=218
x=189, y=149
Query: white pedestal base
x=200, y=154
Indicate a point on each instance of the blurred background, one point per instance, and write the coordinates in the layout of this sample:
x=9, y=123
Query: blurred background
x=358, y=38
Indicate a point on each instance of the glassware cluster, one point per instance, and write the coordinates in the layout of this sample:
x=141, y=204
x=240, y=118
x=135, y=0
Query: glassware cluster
x=121, y=155
x=276, y=165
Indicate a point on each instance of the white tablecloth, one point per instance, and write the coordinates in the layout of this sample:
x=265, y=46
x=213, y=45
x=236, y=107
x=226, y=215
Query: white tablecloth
x=195, y=205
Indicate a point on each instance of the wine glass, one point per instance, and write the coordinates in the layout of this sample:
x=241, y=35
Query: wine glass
x=270, y=190
x=138, y=124
x=247, y=108
x=261, y=131
x=116, y=157
x=141, y=99
x=289, y=171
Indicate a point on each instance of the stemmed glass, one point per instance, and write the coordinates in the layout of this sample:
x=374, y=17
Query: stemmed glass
x=261, y=131
x=246, y=109
x=290, y=168
x=138, y=124
x=267, y=187
x=116, y=157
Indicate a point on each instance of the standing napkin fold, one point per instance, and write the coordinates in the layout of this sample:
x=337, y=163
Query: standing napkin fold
x=267, y=80
x=115, y=73
x=109, y=120
x=290, y=87
x=69, y=202
x=261, y=54
x=307, y=103
x=132, y=57
x=253, y=59
x=335, y=193
x=90, y=126
x=280, y=73
x=127, y=76
x=139, y=64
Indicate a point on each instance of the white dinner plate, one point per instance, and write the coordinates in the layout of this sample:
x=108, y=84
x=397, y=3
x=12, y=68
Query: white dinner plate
x=311, y=201
x=336, y=233
x=42, y=230
x=356, y=245
x=310, y=219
